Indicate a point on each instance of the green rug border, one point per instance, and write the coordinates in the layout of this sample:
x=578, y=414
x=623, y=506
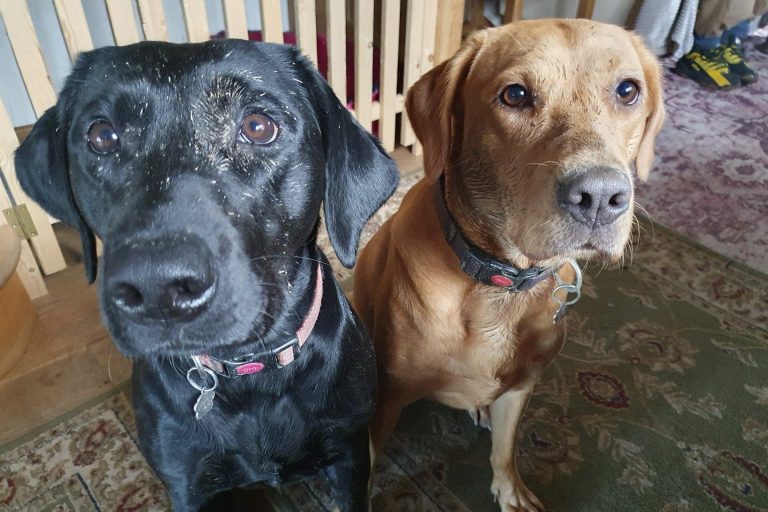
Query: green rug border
x=121, y=387
x=730, y=262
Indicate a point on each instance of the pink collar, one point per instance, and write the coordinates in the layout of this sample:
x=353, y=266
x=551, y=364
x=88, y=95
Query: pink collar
x=273, y=359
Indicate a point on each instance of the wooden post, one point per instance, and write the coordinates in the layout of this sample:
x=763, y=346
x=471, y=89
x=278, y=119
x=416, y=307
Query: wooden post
x=513, y=11
x=390, y=38
x=450, y=18
x=586, y=8
x=74, y=27
x=153, y=20
x=337, y=47
x=235, y=19
x=122, y=21
x=364, y=61
x=196, y=20
x=271, y=21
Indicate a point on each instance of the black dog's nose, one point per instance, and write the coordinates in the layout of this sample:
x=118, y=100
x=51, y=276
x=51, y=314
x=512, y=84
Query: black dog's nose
x=596, y=197
x=160, y=280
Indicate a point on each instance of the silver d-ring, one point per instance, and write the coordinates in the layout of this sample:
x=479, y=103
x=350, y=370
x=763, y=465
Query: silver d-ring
x=569, y=288
x=197, y=386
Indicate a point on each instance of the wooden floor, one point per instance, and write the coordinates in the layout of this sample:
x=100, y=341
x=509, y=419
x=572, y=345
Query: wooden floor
x=71, y=358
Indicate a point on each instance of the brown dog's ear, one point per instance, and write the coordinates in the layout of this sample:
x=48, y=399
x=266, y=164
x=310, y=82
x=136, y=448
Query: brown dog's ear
x=654, y=107
x=433, y=105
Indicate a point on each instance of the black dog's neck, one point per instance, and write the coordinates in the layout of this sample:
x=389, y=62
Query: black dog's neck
x=299, y=289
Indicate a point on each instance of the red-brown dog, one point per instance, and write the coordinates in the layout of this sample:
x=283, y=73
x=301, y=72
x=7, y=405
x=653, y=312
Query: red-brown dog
x=530, y=134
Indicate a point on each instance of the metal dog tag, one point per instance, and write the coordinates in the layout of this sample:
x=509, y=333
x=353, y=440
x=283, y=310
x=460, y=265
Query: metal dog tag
x=204, y=403
x=560, y=312
x=574, y=288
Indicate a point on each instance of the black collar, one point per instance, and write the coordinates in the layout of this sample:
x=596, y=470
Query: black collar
x=478, y=264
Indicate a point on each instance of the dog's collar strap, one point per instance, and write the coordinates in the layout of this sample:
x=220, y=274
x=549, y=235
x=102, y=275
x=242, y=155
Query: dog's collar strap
x=478, y=264
x=275, y=358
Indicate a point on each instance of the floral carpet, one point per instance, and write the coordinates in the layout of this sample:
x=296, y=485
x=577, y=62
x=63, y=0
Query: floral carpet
x=658, y=402
x=710, y=181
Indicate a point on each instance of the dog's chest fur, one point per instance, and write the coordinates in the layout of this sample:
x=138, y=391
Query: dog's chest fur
x=499, y=340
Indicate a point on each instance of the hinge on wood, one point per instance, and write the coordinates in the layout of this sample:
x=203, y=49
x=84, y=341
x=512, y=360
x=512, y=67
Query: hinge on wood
x=20, y=221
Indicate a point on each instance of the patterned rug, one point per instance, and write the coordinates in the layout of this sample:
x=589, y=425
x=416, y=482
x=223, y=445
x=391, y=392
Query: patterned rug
x=710, y=181
x=658, y=402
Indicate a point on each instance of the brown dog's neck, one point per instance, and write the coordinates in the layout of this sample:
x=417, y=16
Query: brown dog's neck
x=478, y=227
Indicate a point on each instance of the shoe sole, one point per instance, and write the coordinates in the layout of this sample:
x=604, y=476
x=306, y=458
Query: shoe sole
x=709, y=87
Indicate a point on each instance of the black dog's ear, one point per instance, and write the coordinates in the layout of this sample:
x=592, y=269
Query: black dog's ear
x=43, y=172
x=359, y=175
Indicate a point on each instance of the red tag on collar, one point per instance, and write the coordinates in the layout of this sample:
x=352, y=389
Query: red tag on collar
x=500, y=280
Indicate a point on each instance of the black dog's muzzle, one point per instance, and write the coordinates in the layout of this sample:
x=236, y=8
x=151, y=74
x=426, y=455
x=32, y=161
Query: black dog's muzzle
x=168, y=279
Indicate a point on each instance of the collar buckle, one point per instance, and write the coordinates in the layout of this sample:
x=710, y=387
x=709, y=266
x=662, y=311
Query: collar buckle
x=496, y=273
x=285, y=353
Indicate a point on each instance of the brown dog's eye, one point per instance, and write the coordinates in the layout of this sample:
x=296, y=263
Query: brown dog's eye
x=258, y=129
x=102, y=138
x=515, y=96
x=627, y=92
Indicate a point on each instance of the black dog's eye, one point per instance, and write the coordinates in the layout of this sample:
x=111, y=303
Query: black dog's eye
x=102, y=138
x=627, y=92
x=515, y=96
x=258, y=129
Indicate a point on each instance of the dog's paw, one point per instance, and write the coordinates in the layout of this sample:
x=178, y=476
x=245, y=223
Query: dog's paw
x=513, y=496
x=481, y=417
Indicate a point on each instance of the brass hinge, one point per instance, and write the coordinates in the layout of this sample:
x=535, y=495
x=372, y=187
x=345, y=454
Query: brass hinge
x=20, y=221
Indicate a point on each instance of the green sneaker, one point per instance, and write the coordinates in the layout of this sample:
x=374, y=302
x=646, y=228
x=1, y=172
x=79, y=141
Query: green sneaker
x=733, y=54
x=707, y=68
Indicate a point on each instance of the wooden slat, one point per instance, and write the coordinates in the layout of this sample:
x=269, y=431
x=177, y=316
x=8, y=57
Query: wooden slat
x=123, y=22
x=74, y=27
x=364, y=12
x=45, y=244
x=26, y=269
x=427, y=49
x=271, y=21
x=586, y=8
x=196, y=20
x=235, y=19
x=390, y=24
x=414, y=35
x=376, y=107
x=153, y=20
x=337, y=50
x=476, y=15
x=513, y=11
x=430, y=30
x=29, y=57
x=29, y=273
x=306, y=28
x=450, y=18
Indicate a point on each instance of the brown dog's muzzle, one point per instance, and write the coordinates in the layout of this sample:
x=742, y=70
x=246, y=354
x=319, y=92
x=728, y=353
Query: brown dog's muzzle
x=595, y=197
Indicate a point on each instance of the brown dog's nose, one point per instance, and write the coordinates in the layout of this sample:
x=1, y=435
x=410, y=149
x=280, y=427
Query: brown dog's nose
x=160, y=280
x=596, y=197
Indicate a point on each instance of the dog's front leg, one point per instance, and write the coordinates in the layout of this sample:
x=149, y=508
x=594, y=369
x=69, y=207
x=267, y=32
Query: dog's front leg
x=348, y=474
x=508, y=488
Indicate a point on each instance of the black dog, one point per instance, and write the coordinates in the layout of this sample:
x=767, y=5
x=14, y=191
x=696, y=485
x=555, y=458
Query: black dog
x=202, y=167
